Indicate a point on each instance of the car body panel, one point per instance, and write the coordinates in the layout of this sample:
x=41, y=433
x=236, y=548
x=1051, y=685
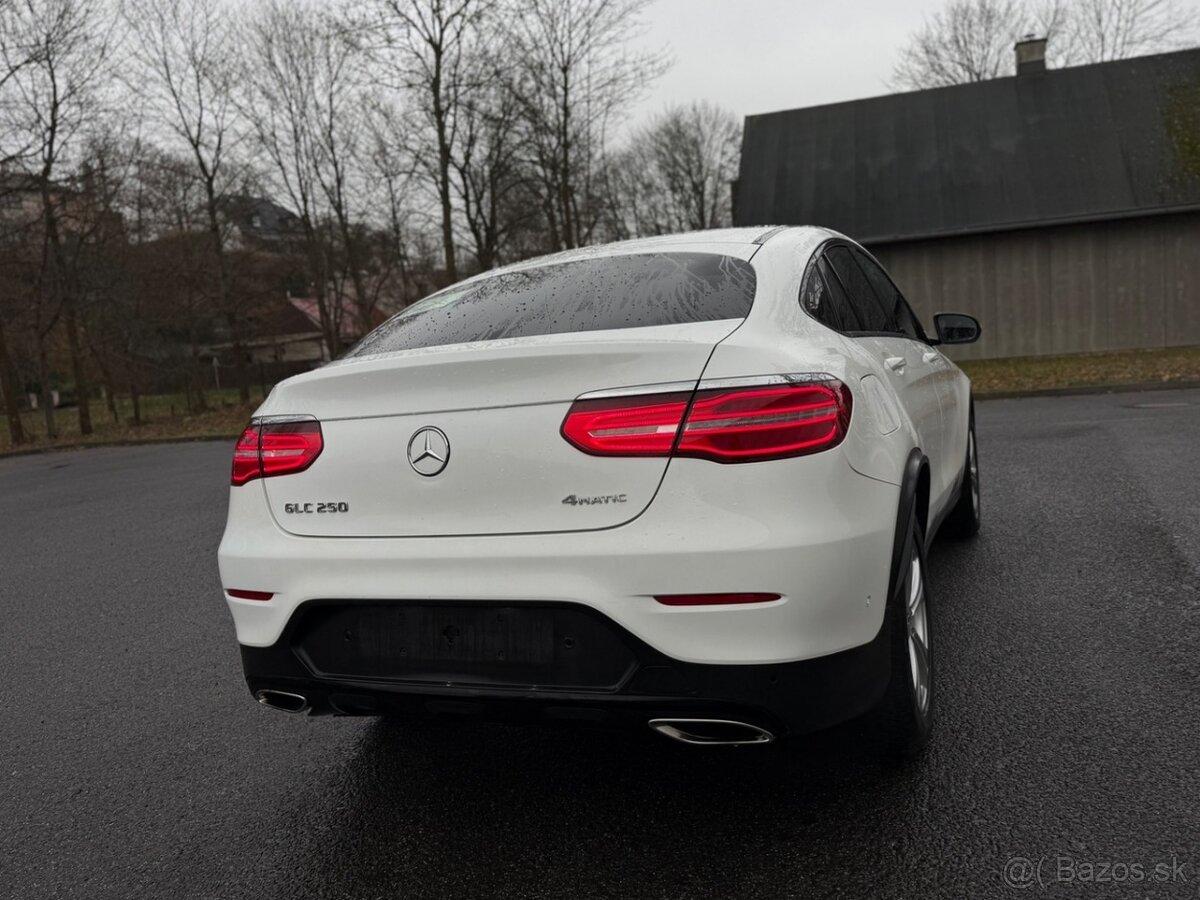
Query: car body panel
x=750, y=530
x=817, y=530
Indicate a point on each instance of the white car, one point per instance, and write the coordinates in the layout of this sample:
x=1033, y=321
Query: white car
x=685, y=482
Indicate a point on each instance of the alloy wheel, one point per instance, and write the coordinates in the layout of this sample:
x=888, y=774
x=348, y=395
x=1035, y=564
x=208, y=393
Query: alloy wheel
x=918, y=634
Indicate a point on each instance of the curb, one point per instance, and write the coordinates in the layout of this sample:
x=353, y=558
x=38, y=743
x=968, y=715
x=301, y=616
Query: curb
x=134, y=442
x=1092, y=389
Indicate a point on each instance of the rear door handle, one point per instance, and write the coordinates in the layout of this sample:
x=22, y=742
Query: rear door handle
x=896, y=363
x=930, y=356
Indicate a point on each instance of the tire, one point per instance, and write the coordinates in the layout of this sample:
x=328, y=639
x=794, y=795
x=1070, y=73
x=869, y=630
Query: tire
x=903, y=721
x=964, y=518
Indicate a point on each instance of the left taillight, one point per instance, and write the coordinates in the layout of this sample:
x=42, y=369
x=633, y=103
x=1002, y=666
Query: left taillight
x=276, y=446
x=742, y=420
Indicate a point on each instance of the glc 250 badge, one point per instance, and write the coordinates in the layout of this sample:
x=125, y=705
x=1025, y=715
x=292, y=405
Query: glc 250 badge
x=330, y=507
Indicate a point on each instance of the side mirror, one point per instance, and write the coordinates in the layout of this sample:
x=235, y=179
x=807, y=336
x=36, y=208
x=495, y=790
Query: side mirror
x=956, y=328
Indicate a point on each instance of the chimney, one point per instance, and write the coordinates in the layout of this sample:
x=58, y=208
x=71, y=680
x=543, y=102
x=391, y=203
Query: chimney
x=1031, y=55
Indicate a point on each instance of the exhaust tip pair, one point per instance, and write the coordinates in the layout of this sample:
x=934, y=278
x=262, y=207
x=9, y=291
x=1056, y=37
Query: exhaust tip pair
x=707, y=732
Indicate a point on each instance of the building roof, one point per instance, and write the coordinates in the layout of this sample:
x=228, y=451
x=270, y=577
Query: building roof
x=1087, y=143
x=262, y=219
x=348, y=322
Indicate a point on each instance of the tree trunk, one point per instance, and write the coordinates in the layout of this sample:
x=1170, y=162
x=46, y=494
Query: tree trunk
x=569, y=228
x=197, y=381
x=447, y=211
x=235, y=330
x=331, y=325
x=9, y=387
x=82, y=388
x=135, y=397
x=439, y=120
x=362, y=300
x=47, y=398
x=239, y=360
x=110, y=394
x=195, y=376
x=239, y=356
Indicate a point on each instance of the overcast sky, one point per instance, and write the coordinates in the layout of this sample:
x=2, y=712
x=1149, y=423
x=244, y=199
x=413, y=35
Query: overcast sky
x=763, y=55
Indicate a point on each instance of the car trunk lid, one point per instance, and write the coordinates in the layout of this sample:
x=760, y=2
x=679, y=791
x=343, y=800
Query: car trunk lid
x=497, y=462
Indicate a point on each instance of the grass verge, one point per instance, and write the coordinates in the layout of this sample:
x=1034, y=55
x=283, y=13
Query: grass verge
x=165, y=416
x=1083, y=370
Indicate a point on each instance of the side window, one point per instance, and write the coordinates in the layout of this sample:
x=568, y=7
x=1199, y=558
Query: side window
x=814, y=297
x=893, y=301
x=837, y=298
x=824, y=302
x=866, y=304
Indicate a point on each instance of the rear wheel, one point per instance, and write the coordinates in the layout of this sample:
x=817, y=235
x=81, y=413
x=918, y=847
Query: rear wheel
x=903, y=720
x=964, y=518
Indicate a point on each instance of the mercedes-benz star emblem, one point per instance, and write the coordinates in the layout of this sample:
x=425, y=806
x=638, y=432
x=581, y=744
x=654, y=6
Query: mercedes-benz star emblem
x=428, y=451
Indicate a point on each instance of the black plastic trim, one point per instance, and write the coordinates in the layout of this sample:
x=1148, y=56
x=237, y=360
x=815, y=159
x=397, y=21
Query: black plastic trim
x=783, y=698
x=908, y=499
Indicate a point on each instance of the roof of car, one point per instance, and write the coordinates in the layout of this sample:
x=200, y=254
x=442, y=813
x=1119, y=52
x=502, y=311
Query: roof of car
x=756, y=234
x=740, y=242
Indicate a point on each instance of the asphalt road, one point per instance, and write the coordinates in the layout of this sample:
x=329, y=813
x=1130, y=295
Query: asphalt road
x=133, y=762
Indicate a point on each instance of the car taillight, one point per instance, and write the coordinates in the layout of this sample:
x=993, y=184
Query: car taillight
x=626, y=426
x=745, y=421
x=245, y=456
x=270, y=447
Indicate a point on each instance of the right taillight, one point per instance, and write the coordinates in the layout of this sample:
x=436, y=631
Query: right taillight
x=745, y=421
x=276, y=446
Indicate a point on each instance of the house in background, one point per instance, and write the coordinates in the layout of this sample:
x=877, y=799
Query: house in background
x=286, y=334
x=1060, y=207
x=262, y=224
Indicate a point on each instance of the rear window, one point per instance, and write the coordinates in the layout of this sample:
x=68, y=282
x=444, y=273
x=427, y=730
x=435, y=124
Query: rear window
x=583, y=295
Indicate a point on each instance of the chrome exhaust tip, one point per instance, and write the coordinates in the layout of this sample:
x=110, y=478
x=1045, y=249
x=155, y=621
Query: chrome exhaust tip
x=283, y=701
x=712, y=732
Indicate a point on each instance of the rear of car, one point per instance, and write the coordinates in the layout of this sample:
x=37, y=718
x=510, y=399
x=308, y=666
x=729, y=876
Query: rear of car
x=583, y=489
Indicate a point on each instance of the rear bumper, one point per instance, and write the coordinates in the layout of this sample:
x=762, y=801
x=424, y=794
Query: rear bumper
x=783, y=698
x=810, y=529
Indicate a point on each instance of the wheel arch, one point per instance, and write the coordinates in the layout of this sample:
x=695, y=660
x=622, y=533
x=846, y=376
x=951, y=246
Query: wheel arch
x=914, y=496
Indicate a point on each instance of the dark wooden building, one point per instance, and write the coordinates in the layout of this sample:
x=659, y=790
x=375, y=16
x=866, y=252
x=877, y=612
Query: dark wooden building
x=1061, y=207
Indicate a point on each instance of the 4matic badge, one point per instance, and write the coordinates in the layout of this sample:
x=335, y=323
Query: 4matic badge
x=598, y=500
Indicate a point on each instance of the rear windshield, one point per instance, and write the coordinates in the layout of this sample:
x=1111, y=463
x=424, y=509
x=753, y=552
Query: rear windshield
x=583, y=295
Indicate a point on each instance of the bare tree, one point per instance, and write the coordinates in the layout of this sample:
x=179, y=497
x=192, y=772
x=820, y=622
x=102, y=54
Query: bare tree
x=340, y=129
x=109, y=165
x=1094, y=31
x=971, y=40
x=967, y=40
x=287, y=101
x=694, y=150
x=55, y=54
x=494, y=187
x=165, y=293
x=394, y=171
x=427, y=44
x=575, y=78
x=186, y=51
x=12, y=61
